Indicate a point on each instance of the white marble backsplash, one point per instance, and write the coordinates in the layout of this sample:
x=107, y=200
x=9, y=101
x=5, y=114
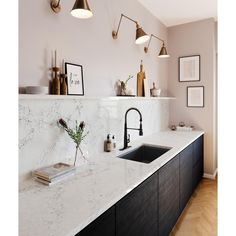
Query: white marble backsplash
x=42, y=142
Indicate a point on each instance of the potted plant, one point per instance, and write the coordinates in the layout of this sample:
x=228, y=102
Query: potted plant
x=77, y=135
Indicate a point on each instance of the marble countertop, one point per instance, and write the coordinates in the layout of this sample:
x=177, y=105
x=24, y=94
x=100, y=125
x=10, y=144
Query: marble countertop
x=67, y=207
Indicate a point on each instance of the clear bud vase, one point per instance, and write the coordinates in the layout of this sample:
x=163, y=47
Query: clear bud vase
x=78, y=153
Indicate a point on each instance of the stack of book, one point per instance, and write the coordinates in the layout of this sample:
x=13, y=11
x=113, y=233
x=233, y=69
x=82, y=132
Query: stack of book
x=54, y=173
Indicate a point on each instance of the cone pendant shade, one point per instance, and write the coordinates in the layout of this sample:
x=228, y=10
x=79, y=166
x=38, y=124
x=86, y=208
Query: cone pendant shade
x=81, y=9
x=163, y=52
x=141, y=36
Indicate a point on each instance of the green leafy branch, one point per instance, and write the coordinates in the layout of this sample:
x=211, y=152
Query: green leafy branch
x=77, y=134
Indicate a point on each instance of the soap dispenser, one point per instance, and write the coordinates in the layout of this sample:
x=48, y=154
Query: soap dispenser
x=108, y=144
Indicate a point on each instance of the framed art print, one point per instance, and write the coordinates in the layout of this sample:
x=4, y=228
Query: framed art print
x=74, y=79
x=195, y=96
x=189, y=68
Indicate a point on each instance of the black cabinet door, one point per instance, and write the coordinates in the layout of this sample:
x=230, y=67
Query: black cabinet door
x=168, y=196
x=197, y=161
x=136, y=213
x=186, y=169
x=104, y=225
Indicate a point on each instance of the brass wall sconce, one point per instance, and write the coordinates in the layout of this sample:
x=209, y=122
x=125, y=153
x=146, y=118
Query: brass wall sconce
x=141, y=36
x=80, y=9
x=163, y=52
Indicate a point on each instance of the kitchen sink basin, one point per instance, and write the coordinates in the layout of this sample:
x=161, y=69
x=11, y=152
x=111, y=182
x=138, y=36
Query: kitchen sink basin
x=145, y=153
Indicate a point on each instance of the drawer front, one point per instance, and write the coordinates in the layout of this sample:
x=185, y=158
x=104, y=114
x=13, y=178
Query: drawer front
x=168, y=196
x=186, y=169
x=136, y=213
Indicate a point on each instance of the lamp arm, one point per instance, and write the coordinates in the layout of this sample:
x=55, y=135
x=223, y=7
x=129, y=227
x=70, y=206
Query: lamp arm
x=152, y=35
x=122, y=15
x=158, y=38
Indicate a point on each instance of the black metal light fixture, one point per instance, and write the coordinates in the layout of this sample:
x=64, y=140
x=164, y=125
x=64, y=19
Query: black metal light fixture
x=141, y=36
x=80, y=9
x=163, y=52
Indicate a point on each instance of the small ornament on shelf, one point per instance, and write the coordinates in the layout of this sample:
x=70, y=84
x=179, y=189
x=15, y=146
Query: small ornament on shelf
x=123, y=89
x=56, y=78
x=63, y=88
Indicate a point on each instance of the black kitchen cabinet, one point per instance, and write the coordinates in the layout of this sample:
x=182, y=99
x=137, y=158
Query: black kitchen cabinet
x=136, y=213
x=197, y=162
x=104, y=225
x=153, y=207
x=168, y=196
x=186, y=172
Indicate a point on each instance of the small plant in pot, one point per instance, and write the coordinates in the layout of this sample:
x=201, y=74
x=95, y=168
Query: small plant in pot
x=77, y=134
x=123, y=86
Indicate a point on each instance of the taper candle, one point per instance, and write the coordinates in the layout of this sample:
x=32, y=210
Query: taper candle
x=55, y=58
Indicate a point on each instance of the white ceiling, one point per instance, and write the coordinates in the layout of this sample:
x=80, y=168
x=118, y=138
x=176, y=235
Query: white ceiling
x=175, y=12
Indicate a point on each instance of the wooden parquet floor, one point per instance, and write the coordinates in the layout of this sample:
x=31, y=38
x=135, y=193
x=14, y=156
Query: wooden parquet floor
x=199, y=217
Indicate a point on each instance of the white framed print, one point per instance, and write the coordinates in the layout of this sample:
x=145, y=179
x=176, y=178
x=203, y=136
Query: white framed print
x=74, y=79
x=195, y=96
x=189, y=68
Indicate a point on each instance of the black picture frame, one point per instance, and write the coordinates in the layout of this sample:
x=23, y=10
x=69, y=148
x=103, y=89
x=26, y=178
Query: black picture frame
x=193, y=68
x=75, y=81
x=195, y=96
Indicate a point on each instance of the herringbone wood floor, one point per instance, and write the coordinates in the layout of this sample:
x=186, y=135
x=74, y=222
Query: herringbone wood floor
x=199, y=217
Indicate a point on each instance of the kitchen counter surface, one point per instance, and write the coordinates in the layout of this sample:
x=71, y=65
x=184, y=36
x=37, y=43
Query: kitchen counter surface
x=67, y=207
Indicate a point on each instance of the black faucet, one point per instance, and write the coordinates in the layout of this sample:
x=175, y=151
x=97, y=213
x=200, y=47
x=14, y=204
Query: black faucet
x=126, y=136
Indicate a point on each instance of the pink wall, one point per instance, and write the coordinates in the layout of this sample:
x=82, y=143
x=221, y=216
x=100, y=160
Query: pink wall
x=88, y=43
x=193, y=39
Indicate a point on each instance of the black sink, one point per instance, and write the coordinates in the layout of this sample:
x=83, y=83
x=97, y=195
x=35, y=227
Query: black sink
x=145, y=153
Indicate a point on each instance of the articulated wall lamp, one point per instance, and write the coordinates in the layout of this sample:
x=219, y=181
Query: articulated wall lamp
x=141, y=36
x=163, y=52
x=80, y=9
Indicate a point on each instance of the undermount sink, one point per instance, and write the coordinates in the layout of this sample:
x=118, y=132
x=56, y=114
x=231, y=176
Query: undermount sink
x=145, y=153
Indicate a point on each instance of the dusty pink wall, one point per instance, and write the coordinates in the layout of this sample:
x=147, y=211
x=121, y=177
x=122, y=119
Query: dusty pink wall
x=88, y=43
x=193, y=39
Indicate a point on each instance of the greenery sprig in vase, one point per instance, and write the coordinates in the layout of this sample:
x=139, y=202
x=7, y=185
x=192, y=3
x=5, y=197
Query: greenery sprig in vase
x=77, y=135
x=123, y=85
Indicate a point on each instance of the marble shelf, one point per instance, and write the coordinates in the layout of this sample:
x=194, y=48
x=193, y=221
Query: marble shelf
x=72, y=97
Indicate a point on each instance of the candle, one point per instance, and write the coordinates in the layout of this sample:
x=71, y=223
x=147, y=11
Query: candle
x=55, y=58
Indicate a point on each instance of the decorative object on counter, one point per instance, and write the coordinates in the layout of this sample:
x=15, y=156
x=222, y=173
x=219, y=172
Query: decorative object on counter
x=63, y=84
x=141, y=36
x=140, y=129
x=195, y=96
x=173, y=127
x=184, y=128
x=36, y=90
x=189, y=68
x=114, y=142
x=80, y=9
x=56, y=77
x=163, y=52
x=54, y=173
x=140, y=81
x=75, y=81
x=123, y=89
x=181, y=124
x=108, y=145
x=76, y=134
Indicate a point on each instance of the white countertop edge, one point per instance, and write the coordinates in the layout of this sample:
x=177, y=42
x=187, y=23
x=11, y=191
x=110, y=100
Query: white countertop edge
x=155, y=166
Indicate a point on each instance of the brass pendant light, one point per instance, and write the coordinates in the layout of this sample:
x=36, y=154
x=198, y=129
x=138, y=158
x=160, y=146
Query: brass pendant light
x=80, y=9
x=163, y=52
x=141, y=36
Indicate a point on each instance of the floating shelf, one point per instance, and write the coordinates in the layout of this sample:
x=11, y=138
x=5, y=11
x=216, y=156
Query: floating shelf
x=72, y=97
